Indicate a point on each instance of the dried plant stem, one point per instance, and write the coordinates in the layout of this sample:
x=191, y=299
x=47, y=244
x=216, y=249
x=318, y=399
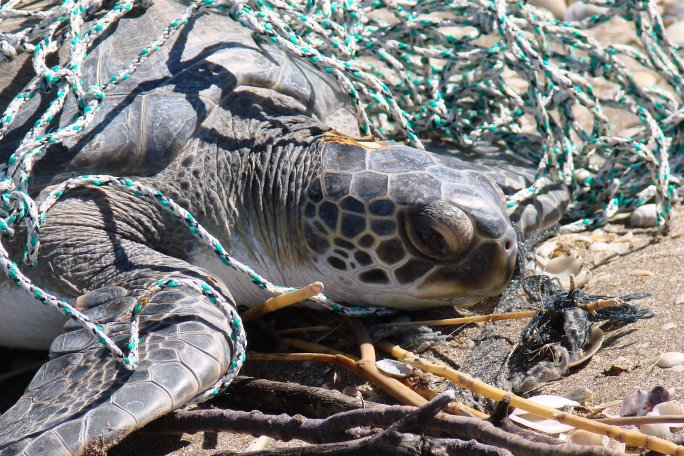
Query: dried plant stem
x=639, y=420
x=283, y=300
x=391, y=386
x=465, y=381
x=590, y=307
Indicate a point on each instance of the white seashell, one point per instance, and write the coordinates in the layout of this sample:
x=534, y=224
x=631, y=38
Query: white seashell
x=582, y=278
x=598, y=246
x=661, y=430
x=669, y=359
x=547, y=248
x=668, y=326
x=520, y=416
x=394, y=368
x=582, y=437
x=567, y=264
x=644, y=216
x=619, y=247
x=670, y=408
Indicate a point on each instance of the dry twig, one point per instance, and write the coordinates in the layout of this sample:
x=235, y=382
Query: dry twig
x=465, y=381
x=589, y=307
x=283, y=300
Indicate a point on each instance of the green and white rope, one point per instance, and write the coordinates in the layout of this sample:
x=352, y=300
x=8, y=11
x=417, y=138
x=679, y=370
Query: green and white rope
x=408, y=75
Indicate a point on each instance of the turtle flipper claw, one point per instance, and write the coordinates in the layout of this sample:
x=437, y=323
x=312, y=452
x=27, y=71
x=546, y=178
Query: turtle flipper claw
x=83, y=399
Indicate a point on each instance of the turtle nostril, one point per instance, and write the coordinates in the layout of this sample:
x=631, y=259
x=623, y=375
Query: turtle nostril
x=439, y=230
x=508, y=245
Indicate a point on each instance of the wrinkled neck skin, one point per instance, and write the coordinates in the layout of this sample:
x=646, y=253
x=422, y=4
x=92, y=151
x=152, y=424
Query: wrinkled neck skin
x=244, y=178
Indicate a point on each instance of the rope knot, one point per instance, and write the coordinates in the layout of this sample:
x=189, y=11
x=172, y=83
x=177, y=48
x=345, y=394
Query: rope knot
x=48, y=80
x=91, y=98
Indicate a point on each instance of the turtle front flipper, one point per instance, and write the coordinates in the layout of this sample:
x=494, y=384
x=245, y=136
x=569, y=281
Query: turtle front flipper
x=84, y=399
x=106, y=240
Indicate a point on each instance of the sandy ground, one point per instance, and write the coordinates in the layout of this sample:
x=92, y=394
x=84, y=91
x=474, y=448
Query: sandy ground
x=654, y=267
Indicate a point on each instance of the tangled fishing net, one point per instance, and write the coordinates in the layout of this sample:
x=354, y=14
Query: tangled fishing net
x=412, y=69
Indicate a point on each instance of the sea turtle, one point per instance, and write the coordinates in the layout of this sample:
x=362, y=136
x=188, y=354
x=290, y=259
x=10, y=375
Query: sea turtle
x=262, y=149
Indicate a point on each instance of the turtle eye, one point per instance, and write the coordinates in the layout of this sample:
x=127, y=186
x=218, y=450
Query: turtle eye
x=439, y=230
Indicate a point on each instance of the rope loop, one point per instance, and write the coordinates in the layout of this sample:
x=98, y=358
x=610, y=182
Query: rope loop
x=8, y=45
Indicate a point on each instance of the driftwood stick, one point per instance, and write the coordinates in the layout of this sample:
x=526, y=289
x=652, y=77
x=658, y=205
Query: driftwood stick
x=248, y=393
x=344, y=427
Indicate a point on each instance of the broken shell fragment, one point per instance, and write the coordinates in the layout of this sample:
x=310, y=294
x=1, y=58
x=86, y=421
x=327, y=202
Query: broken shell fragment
x=582, y=437
x=538, y=423
x=590, y=348
x=669, y=359
x=670, y=408
x=661, y=430
x=394, y=368
x=633, y=404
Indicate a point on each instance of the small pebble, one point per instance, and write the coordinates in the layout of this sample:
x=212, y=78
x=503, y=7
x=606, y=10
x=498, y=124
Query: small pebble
x=668, y=326
x=619, y=247
x=580, y=394
x=615, y=370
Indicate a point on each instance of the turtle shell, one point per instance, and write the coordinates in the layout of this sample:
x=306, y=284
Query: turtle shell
x=145, y=121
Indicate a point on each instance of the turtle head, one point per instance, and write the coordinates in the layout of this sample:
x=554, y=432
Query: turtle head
x=395, y=226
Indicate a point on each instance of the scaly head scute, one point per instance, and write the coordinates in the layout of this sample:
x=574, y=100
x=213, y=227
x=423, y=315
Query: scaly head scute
x=400, y=227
